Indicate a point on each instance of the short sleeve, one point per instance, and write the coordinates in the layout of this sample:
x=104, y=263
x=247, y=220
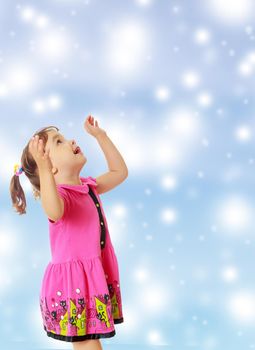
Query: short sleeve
x=65, y=195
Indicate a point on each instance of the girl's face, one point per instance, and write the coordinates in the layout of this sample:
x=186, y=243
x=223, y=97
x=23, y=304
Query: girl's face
x=61, y=153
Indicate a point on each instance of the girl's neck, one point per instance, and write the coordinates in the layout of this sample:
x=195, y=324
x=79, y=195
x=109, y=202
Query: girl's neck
x=72, y=182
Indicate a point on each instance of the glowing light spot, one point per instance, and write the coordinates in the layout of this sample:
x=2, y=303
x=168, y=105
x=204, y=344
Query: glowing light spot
x=204, y=99
x=119, y=211
x=247, y=65
x=231, y=12
x=54, y=102
x=7, y=244
x=54, y=46
x=27, y=14
x=183, y=123
x=241, y=305
x=126, y=50
x=141, y=275
x=229, y=274
x=169, y=182
x=155, y=296
x=202, y=36
x=169, y=215
x=20, y=78
x=235, y=215
x=243, y=133
x=42, y=21
x=190, y=79
x=39, y=106
x=154, y=337
x=245, y=68
x=162, y=93
x=3, y=90
x=144, y=2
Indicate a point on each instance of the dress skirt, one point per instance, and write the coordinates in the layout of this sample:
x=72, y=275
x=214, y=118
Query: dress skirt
x=81, y=299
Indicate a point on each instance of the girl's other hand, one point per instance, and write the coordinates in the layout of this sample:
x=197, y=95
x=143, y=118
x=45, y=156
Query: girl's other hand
x=92, y=129
x=36, y=148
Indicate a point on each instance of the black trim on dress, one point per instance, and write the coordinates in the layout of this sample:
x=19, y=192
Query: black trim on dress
x=75, y=338
x=101, y=218
x=118, y=320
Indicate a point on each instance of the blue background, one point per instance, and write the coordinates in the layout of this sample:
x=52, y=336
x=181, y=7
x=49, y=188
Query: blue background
x=172, y=83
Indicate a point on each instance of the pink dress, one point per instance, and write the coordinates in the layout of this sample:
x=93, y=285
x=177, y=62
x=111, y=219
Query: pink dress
x=80, y=296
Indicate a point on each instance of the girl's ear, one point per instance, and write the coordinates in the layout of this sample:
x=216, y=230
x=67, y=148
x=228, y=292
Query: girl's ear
x=36, y=193
x=54, y=170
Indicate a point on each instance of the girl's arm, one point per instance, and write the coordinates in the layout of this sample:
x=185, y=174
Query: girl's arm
x=118, y=170
x=52, y=203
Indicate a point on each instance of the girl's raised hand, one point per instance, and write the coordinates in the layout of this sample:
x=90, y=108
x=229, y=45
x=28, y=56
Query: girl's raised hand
x=92, y=129
x=36, y=148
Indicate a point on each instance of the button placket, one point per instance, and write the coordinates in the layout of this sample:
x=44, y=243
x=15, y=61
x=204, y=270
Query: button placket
x=101, y=218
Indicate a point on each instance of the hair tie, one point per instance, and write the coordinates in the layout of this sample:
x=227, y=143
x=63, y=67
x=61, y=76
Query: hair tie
x=18, y=169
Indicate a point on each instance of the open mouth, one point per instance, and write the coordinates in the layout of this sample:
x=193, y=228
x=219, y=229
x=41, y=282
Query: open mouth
x=77, y=150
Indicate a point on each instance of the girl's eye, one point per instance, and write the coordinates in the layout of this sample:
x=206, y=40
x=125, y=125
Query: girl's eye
x=59, y=140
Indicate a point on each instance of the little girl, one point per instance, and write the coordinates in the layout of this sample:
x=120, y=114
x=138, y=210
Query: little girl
x=80, y=296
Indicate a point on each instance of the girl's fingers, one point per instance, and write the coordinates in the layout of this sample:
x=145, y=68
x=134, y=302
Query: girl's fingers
x=32, y=144
x=36, y=146
x=35, y=142
x=47, y=153
x=40, y=146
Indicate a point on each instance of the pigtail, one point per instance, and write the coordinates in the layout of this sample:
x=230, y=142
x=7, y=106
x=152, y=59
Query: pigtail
x=17, y=195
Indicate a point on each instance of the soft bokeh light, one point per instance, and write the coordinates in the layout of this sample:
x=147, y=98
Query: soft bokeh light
x=127, y=46
x=27, y=14
x=190, y=79
x=229, y=274
x=52, y=102
x=162, y=93
x=169, y=182
x=157, y=297
x=141, y=275
x=243, y=133
x=204, y=99
x=20, y=78
x=235, y=215
x=231, y=12
x=120, y=211
x=202, y=36
x=54, y=46
x=169, y=215
x=241, y=306
x=144, y=2
x=183, y=124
